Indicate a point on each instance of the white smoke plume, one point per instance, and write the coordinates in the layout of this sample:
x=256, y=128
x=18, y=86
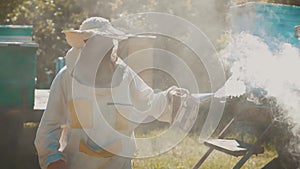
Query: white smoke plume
x=253, y=64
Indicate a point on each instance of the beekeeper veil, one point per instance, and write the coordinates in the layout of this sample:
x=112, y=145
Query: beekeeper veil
x=98, y=52
x=95, y=41
x=90, y=27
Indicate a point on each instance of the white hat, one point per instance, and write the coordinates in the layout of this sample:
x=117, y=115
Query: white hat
x=90, y=27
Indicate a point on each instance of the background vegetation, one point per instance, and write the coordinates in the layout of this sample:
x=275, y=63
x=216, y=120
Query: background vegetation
x=190, y=150
x=50, y=17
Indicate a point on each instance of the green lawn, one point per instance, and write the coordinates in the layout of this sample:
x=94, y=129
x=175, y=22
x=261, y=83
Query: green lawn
x=186, y=154
x=189, y=151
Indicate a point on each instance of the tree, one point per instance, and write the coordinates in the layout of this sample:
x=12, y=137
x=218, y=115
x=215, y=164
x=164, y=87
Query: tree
x=48, y=18
x=7, y=6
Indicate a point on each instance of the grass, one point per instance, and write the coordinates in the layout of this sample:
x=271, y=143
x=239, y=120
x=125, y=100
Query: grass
x=186, y=154
x=189, y=151
x=30, y=125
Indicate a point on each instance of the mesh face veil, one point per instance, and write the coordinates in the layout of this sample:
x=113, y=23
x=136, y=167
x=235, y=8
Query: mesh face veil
x=114, y=52
x=94, y=55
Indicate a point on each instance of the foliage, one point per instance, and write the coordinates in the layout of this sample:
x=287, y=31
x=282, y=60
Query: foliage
x=48, y=18
x=7, y=6
x=189, y=151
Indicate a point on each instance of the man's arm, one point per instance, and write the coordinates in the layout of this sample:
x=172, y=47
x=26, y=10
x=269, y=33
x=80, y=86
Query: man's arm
x=49, y=131
x=159, y=105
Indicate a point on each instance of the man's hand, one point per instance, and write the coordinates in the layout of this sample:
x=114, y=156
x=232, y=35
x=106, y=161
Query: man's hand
x=177, y=92
x=176, y=96
x=59, y=164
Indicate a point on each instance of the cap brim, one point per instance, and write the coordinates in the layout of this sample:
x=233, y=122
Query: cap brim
x=76, y=38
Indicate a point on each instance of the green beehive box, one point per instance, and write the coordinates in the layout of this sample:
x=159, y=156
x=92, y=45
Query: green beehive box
x=18, y=66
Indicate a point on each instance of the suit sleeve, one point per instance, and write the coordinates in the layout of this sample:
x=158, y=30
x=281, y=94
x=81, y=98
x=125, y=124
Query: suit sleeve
x=157, y=105
x=49, y=130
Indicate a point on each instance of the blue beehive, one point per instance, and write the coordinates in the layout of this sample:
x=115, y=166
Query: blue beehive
x=17, y=66
x=274, y=23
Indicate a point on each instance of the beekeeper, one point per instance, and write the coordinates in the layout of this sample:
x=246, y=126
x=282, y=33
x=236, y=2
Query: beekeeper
x=95, y=103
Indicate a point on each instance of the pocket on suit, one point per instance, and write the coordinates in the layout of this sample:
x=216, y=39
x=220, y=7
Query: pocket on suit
x=108, y=151
x=81, y=111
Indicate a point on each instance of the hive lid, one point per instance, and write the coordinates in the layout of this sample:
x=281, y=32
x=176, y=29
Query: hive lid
x=16, y=33
x=21, y=44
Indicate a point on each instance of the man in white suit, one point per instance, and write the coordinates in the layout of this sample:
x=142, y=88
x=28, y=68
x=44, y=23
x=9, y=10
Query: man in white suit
x=91, y=110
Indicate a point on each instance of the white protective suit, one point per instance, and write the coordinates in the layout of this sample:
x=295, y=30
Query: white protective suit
x=84, y=130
